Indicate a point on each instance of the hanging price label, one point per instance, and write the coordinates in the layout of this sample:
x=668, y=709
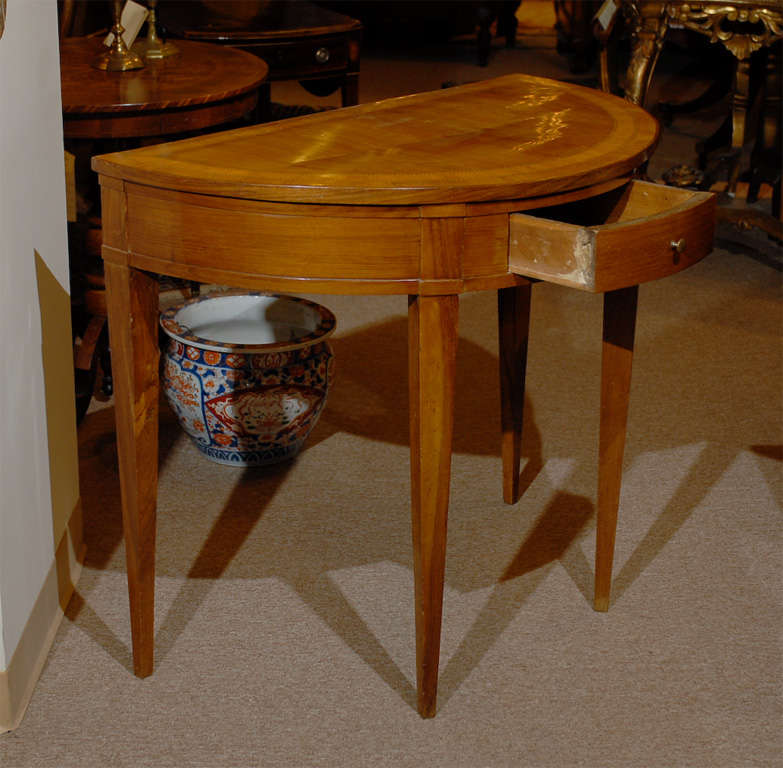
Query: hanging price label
x=133, y=16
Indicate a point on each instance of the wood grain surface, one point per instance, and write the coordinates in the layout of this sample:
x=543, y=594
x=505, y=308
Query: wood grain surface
x=511, y=137
x=432, y=358
x=199, y=74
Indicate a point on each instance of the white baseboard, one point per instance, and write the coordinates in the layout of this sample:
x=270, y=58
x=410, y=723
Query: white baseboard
x=18, y=681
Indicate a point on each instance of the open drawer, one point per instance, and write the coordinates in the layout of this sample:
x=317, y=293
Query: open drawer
x=638, y=232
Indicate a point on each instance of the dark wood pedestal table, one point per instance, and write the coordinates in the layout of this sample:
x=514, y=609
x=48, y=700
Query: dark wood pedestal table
x=472, y=188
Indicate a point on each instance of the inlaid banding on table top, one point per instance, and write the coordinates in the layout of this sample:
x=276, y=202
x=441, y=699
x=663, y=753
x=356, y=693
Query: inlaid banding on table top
x=503, y=138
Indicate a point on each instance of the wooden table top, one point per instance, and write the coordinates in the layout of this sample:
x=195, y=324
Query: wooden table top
x=202, y=73
x=511, y=137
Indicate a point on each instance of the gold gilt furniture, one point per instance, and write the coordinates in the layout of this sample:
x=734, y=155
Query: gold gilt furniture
x=743, y=27
x=474, y=188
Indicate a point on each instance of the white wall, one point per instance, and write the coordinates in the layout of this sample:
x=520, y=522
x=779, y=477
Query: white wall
x=32, y=218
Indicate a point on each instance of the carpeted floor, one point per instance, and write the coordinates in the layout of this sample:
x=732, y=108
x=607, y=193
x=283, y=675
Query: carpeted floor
x=285, y=607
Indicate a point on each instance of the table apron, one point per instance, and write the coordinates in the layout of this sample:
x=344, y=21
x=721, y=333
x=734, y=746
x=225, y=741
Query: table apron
x=414, y=250
x=246, y=245
x=291, y=284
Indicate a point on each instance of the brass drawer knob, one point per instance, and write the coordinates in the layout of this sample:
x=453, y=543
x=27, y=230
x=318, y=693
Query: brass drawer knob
x=678, y=245
x=322, y=55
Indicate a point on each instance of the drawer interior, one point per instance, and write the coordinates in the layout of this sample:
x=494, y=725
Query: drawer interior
x=636, y=200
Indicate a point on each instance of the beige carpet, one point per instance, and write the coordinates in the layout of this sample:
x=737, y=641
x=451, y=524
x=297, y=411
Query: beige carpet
x=285, y=608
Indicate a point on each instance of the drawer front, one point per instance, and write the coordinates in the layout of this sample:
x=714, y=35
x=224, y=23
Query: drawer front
x=651, y=232
x=660, y=245
x=296, y=60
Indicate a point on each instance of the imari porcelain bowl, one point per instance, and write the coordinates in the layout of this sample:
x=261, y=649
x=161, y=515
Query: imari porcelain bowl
x=247, y=373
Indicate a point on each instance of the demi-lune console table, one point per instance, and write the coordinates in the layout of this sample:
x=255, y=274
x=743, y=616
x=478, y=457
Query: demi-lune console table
x=488, y=186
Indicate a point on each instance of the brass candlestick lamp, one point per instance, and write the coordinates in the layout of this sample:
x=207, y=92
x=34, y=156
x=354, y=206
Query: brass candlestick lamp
x=152, y=47
x=119, y=58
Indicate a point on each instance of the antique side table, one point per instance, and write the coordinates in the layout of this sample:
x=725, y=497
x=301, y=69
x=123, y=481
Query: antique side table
x=479, y=187
x=202, y=87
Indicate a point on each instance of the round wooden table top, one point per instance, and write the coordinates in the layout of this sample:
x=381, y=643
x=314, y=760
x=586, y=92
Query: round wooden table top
x=203, y=85
x=511, y=137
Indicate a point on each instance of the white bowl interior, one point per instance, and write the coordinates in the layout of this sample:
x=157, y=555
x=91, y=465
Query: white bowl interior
x=249, y=320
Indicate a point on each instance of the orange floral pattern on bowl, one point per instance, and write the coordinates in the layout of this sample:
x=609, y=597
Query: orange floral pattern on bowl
x=248, y=409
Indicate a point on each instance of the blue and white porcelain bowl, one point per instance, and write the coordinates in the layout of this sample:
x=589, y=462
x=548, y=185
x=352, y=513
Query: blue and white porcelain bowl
x=247, y=373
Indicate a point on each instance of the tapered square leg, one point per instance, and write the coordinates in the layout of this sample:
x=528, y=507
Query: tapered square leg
x=432, y=351
x=132, y=299
x=616, y=363
x=513, y=329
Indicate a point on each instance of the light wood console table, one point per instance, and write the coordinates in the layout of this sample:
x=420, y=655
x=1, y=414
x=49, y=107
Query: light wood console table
x=479, y=187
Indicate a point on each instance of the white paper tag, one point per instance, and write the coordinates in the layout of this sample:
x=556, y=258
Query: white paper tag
x=605, y=13
x=133, y=16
